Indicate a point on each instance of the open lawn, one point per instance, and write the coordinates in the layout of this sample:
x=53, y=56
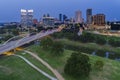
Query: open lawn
x=111, y=69
x=14, y=68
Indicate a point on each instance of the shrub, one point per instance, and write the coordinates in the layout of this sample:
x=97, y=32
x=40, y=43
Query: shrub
x=100, y=40
x=114, y=42
x=99, y=65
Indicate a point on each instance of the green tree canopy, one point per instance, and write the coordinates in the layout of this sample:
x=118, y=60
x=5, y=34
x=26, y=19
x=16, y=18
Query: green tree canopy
x=57, y=48
x=46, y=43
x=15, y=32
x=78, y=65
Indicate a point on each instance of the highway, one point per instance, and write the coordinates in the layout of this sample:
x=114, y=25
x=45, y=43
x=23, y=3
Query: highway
x=14, y=44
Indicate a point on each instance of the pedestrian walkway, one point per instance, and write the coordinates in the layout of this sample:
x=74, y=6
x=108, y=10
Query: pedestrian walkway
x=36, y=68
x=55, y=72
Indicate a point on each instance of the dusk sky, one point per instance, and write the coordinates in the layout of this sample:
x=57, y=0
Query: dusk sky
x=10, y=9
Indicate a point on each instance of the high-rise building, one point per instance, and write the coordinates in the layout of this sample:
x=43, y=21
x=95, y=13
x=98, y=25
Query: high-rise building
x=48, y=21
x=78, y=17
x=89, y=16
x=60, y=17
x=29, y=18
x=64, y=18
x=26, y=18
x=98, y=19
x=23, y=17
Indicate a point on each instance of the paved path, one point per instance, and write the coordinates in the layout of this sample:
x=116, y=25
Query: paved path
x=36, y=68
x=55, y=72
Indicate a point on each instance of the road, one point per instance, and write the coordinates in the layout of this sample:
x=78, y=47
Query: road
x=36, y=68
x=55, y=72
x=13, y=44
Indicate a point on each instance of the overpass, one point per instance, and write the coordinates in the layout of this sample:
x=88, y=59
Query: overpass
x=14, y=44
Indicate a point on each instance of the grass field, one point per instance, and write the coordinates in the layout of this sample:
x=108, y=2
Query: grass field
x=111, y=69
x=14, y=68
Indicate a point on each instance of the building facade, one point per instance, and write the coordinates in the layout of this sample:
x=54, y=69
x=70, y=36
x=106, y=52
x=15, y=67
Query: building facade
x=35, y=21
x=89, y=16
x=115, y=26
x=26, y=18
x=98, y=19
x=60, y=17
x=48, y=21
x=78, y=17
x=64, y=18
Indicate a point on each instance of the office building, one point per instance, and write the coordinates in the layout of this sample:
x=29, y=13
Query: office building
x=89, y=16
x=98, y=19
x=23, y=17
x=30, y=18
x=78, y=17
x=60, y=17
x=48, y=21
x=26, y=18
x=64, y=18
x=115, y=26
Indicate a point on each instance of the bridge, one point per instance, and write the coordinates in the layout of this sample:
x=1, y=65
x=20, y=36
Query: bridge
x=27, y=39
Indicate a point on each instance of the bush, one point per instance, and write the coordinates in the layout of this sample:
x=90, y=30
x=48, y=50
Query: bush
x=84, y=49
x=101, y=52
x=99, y=65
x=114, y=42
x=78, y=65
x=100, y=40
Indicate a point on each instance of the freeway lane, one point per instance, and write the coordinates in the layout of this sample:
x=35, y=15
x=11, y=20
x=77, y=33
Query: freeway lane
x=13, y=44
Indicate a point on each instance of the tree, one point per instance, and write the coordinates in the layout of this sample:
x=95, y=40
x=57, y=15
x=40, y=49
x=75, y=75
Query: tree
x=101, y=40
x=87, y=37
x=115, y=42
x=78, y=65
x=57, y=48
x=15, y=32
x=46, y=43
x=0, y=41
x=7, y=37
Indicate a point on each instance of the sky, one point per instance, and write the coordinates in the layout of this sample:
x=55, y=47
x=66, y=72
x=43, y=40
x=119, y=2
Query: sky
x=10, y=9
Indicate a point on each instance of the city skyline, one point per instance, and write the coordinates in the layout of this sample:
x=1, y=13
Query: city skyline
x=10, y=10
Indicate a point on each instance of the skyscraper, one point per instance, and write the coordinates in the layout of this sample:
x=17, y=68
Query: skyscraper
x=26, y=18
x=78, y=17
x=23, y=17
x=64, y=18
x=48, y=21
x=99, y=19
x=60, y=17
x=89, y=16
x=29, y=18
